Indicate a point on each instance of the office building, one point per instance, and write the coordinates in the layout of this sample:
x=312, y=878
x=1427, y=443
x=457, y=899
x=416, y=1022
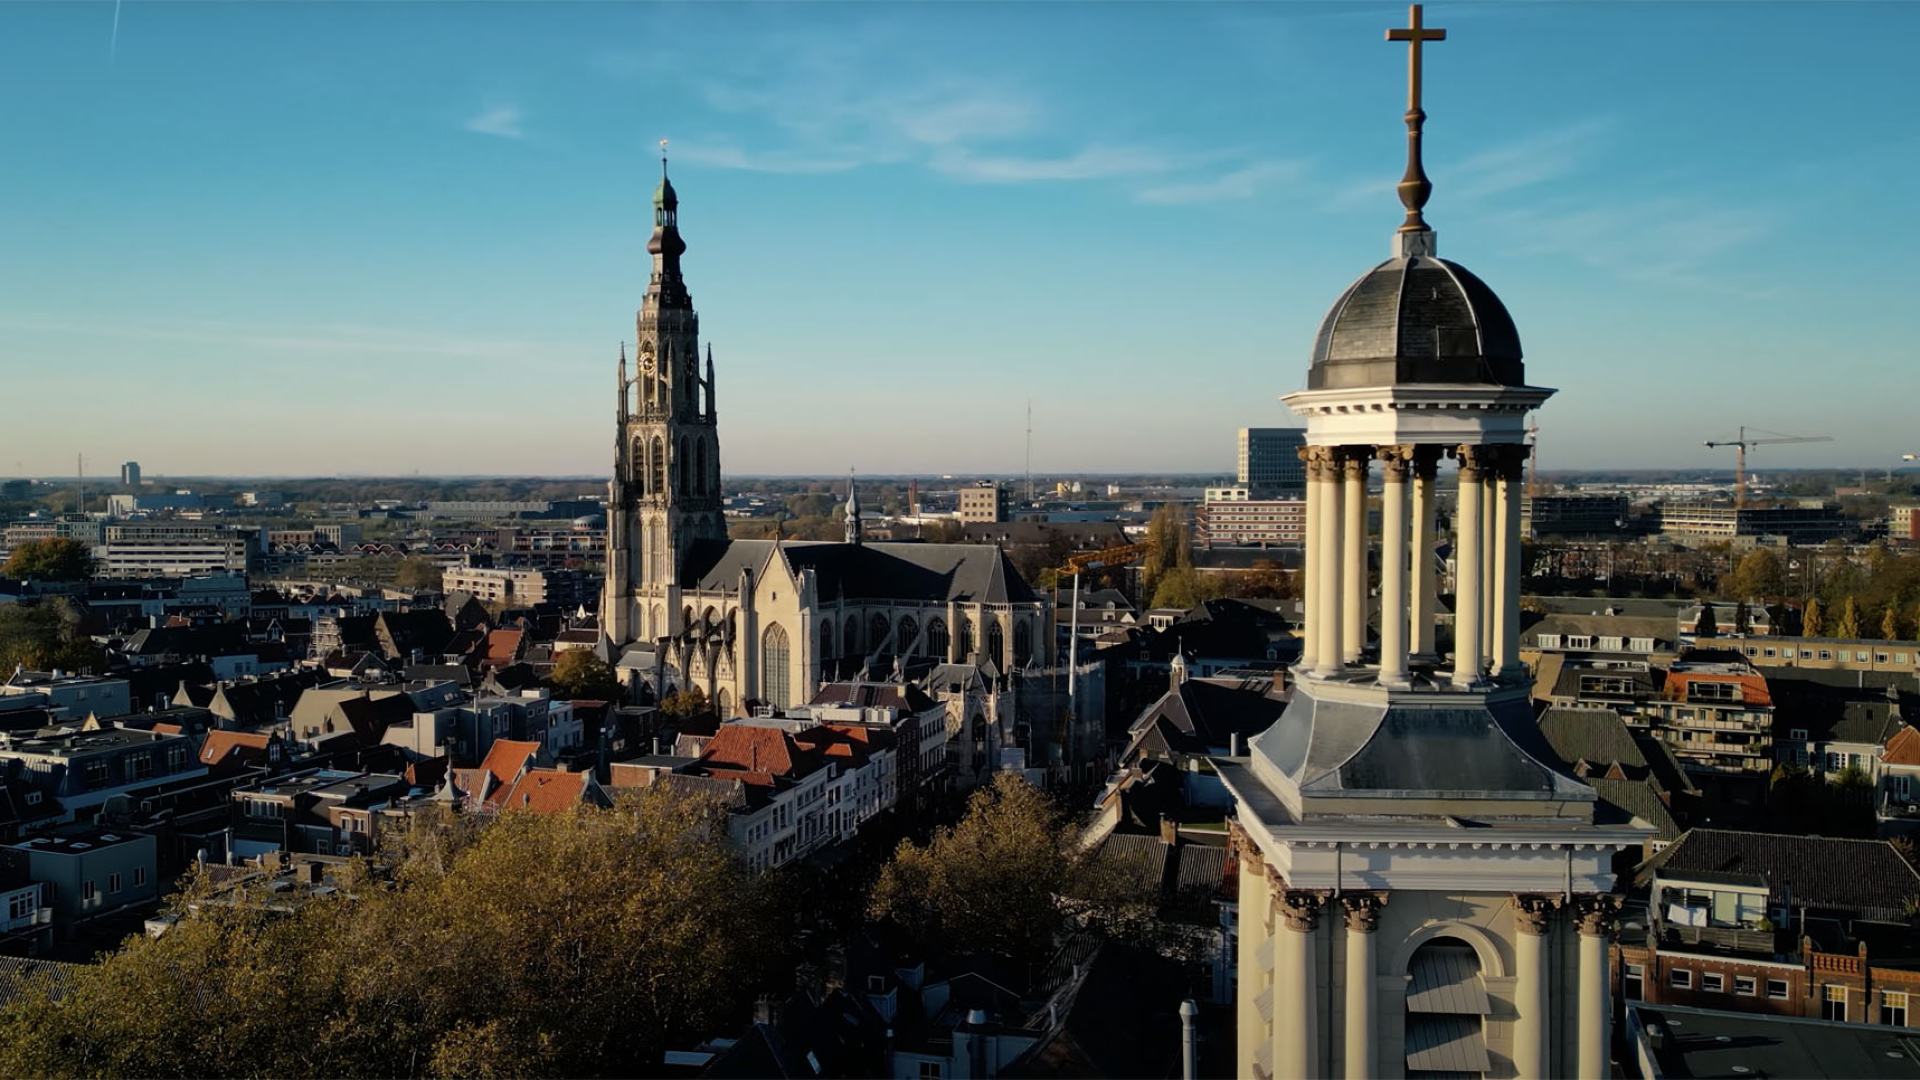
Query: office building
x=1270, y=461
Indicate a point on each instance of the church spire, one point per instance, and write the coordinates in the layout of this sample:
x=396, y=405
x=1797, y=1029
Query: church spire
x=1414, y=237
x=853, y=510
x=666, y=290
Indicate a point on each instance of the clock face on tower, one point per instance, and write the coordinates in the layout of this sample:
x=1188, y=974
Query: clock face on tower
x=646, y=362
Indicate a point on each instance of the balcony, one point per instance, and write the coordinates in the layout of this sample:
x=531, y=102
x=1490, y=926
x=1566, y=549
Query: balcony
x=1733, y=939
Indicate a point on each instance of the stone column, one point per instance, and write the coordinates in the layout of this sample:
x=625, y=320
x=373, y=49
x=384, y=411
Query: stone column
x=1467, y=556
x=1327, y=604
x=1506, y=573
x=1426, y=589
x=1533, y=918
x=1296, y=997
x=1310, y=565
x=1353, y=612
x=1254, y=1028
x=1393, y=565
x=1595, y=914
x=1363, y=918
x=1488, y=590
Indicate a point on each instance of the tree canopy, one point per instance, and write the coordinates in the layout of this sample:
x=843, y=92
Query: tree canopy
x=578, y=674
x=53, y=559
x=989, y=883
x=1760, y=576
x=46, y=635
x=575, y=944
x=417, y=573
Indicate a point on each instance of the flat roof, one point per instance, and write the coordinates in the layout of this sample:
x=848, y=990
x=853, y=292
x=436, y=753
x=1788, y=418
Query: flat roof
x=1706, y=1042
x=73, y=842
x=63, y=742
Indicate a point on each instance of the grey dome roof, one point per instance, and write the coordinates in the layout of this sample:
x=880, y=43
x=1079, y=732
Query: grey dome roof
x=1416, y=320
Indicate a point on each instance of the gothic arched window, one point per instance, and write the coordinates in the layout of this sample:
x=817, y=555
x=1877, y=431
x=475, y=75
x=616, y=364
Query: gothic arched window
x=852, y=634
x=638, y=466
x=826, y=639
x=966, y=640
x=909, y=632
x=937, y=639
x=877, y=632
x=774, y=658
x=699, y=466
x=1022, y=644
x=723, y=705
x=659, y=485
x=680, y=464
x=659, y=621
x=996, y=645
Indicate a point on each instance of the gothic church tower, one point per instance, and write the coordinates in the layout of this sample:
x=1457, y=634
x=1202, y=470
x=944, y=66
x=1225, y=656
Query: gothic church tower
x=665, y=494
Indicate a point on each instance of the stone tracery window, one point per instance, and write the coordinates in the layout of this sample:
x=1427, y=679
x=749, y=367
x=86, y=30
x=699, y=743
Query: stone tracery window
x=937, y=641
x=775, y=656
x=909, y=632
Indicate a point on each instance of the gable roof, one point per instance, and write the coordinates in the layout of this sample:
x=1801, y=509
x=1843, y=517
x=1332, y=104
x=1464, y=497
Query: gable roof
x=1637, y=799
x=870, y=571
x=223, y=744
x=1865, y=877
x=1903, y=748
x=550, y=791
x=1593, y=735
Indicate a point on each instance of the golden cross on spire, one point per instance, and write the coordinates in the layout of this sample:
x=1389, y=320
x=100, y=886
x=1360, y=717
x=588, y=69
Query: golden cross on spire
x=1414, y=187
x=1415, y=36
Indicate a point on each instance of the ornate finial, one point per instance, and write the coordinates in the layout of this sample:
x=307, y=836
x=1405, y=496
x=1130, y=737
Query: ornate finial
x=663, y=159
x=1414, y=187
x=853, y=510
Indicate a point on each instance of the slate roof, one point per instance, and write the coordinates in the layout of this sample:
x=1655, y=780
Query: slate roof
x=17, y=973
x=873, y=695
x=1416, y=320
x=1662, y=630
x=1201, y=715
x=871, y=571
x=1637, y=798
x=1866, y=878
x=428, y=630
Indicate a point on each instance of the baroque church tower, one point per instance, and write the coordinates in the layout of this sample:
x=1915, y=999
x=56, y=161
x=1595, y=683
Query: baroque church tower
x=665, y=493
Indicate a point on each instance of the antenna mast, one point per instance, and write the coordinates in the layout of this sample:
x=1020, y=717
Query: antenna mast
x=1029, y=449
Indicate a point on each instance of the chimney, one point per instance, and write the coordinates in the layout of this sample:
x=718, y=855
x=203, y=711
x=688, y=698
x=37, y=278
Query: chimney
x=766, y=1010
x=1189, y=1041
x=313, y=873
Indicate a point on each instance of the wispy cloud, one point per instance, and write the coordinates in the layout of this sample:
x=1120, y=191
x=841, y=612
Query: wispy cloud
x=1091, y=163
x=1533, y=159
x=732, y=156
x=501, y=120
x=1241, y=183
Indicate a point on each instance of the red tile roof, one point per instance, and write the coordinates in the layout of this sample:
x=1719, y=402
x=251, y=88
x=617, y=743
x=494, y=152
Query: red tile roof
x=223, y=743
x=503, y=647
x=547, y=791
x=757, y=750
x=506, y=759
x=1753, y=688
x=1903, y=748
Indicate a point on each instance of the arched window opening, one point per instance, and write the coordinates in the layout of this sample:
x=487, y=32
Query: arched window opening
x=909, y=631
x=877, y=628
x=1022, y=644
x=659, y=485
x=659, y=626
x=1447, y=1008
x=826, y=639
x=997, y=646
x=699, y=466
x=966, y=640
x=723, y=705
x=852, y=632
x=638, y=465
x=937, y=641
x=680, y=466
x=774, y=658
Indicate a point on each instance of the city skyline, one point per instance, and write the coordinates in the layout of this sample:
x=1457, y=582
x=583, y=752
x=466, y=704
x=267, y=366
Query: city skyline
x=902, y=224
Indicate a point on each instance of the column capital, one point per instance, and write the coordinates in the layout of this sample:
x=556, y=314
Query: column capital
x=1507, y=461
x=1534, y=914
x=1363, y=911
x=1395, y=462
x=1301, y=909
x=1323, y=462
x=1356, y=459
x=1426, y=460
x=1594, y=913
x=1475, y=460
x=1242, y=847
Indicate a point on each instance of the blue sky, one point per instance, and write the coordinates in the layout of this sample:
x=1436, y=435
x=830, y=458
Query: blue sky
x=379, y=237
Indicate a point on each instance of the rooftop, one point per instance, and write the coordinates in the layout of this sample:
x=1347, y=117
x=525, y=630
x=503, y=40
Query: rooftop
x=1704, y=1042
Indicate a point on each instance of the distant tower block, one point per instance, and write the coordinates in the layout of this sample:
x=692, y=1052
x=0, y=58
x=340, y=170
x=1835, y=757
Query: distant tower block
x=130, y=474
x=1362, y=903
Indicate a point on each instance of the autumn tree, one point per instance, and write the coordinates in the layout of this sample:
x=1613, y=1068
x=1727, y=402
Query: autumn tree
x=56, y=558
x=576, y=944
x=685, y=704
x=989, y=883
x=1849, y=624
x=1170, y=547
x=46, y=635
x=1184, y=587
x=417, y=573
x=1760, y=576
x=1813, y=618
x=580, y=675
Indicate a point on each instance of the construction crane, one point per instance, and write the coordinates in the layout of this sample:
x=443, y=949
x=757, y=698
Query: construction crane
x=1533, y=460
x=1740, y=446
